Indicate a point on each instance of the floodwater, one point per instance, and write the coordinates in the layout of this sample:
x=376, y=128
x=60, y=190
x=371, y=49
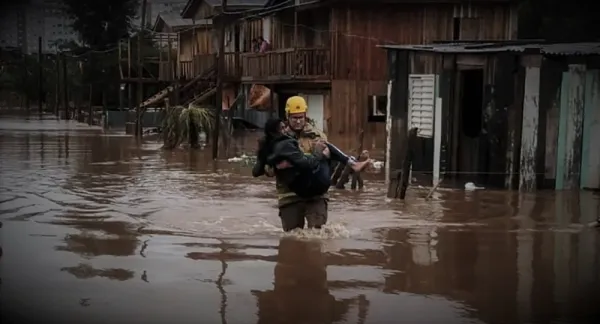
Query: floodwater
x=100, y=229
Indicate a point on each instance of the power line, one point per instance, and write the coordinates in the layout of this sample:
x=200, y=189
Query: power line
x=271, y=10
x=374, y=39
x=226, y=12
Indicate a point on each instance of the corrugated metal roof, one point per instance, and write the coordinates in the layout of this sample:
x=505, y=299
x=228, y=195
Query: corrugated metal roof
x=590, y=48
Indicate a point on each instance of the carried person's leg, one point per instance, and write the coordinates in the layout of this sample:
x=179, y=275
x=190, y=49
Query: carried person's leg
x=337, y=155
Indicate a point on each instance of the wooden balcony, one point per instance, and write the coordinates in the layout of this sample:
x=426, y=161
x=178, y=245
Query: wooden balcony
x=293, y=64
x=186, y=70
x=202, y=62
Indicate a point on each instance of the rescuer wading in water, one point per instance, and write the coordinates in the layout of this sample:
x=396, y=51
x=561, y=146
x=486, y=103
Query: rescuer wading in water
x=295, y=209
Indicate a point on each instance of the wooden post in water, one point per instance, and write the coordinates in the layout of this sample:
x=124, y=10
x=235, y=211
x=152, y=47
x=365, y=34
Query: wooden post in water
x=129, y=86
x=357, y=176
x=119, y=88
x=104, y=116
x=90, y=109
x=57, y=87
x=342, y=177
x=65, y=86
x=397, y=123
x=40, y=76
x=220, y=75
x=140, y=87
x=399, y=178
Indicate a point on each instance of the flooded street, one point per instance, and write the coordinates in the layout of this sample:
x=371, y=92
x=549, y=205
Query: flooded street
x=97, y=228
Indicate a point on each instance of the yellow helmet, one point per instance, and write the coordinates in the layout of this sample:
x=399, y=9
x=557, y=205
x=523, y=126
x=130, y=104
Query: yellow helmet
x=295, y=105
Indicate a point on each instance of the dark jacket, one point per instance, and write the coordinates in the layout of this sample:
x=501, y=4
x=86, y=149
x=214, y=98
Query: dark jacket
x=306, y=139
x=284, y=148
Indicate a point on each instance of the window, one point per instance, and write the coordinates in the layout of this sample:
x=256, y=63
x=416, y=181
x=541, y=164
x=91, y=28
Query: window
x=377, y=108
x=421, y=103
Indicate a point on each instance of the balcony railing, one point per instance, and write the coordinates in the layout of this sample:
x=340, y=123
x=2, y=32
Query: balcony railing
x=202, y=62
x=186, y=70
x=293, y=63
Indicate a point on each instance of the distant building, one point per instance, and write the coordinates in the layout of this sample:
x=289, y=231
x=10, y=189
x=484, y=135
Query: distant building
x=23, y=23
x=12, y=24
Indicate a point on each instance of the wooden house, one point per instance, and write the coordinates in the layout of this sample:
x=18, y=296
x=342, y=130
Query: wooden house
x=171, y=23
x=326, y=50
x=204, y=39
x=501, y=114
x=196, y=52
x=168, y=27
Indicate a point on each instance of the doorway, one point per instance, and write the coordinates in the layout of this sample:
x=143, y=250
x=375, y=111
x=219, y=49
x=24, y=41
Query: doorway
x=470, y=156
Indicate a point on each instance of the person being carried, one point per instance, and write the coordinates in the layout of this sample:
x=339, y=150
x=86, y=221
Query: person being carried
x=305, y=175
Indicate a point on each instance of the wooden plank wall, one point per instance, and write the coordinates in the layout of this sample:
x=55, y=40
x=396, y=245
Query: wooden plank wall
x=571, y=129
x=359, y=67
x=347, y=111
x=203, y=42
x=356, y=31
x=550, y=96
x=185, y=46
x=530, y=126
x=590, y=160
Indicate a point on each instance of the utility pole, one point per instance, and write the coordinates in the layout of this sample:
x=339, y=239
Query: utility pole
x=65, y=86
x=220, y=75
x=57, y=90
x=140, y=87
x=40, y=76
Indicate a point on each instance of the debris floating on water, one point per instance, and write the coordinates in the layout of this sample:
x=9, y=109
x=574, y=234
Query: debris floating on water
x=244, y=159
x=377, y=165
x=470, y=186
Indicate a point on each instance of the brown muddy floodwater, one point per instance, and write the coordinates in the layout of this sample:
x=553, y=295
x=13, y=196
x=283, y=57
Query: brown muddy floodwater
x=100, y=229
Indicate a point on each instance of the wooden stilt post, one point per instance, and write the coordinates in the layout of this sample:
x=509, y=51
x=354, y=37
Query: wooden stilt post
x=140, y=65
x=65, y=87
x=396, y=124
x=40, y=76
x=57, y=87
x=220, y=75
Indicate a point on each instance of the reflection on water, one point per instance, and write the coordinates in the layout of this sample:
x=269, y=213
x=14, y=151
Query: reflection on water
x=100, y=228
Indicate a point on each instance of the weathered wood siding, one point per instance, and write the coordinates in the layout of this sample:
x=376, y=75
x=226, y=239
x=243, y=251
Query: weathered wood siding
x=570, y=132
x=356, y=31
x=590, y=160
x=550, y=96
x=186, y=46
x=346, y=113
x=195, y=41
x=530, y=127
x=312, y=30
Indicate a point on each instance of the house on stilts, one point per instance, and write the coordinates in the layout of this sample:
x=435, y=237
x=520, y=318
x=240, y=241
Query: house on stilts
x=325, y=51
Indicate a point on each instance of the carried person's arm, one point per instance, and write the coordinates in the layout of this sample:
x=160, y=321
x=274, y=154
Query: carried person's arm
x=290, y=151
x=337, y=155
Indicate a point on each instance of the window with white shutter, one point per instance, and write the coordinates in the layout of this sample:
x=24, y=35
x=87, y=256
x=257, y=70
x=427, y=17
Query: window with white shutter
x=421, y=103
